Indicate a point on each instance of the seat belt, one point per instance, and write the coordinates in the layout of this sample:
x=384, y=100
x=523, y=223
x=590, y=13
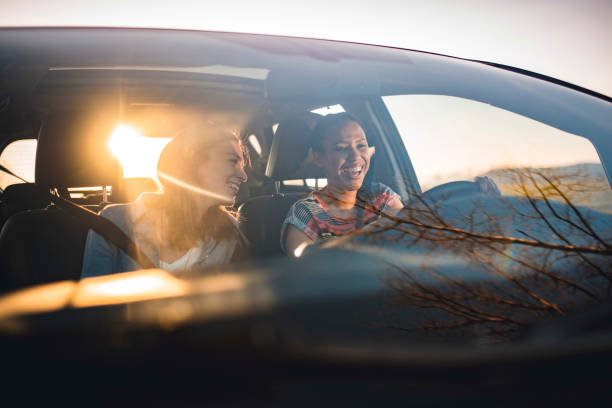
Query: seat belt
x=106, y=228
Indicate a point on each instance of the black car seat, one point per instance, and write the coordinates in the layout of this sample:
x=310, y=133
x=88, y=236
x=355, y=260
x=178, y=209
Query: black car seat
x=19, y=197
x=45, y=245
x=289, y=159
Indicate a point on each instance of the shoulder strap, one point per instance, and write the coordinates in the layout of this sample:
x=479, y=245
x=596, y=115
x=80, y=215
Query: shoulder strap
x=101, y=225
x=106, y=229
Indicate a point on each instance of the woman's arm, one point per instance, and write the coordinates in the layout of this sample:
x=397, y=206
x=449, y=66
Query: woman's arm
x=295, y=241
x=98, y=257
x=101, y=257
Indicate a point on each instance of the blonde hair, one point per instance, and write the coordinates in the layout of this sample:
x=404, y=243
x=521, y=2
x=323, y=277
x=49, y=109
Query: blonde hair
x=179, y=159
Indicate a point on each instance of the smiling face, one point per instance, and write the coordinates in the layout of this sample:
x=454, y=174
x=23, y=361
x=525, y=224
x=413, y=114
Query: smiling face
x=345, y=156
x=222, y=171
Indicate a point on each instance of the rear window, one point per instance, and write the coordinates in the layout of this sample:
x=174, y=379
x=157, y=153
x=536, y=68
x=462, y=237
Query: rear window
x=19, y=157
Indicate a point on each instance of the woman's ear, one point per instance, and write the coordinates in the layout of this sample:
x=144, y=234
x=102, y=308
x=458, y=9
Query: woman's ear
x=372, y=150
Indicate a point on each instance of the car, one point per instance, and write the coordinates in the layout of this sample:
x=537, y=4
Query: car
x=493, y=277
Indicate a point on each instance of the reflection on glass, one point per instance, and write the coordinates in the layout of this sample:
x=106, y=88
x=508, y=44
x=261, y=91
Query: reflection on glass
x=517, y=259
x=128, y=287
x=45, y=298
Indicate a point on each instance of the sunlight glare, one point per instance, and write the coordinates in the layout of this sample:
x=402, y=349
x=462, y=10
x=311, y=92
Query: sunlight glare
x=191, y=187
x=300, y=249
x=128, y=287
x=37, y=299
x=137, y=153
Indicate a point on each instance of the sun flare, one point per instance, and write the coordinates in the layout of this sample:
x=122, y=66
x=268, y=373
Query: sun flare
x=137, y=153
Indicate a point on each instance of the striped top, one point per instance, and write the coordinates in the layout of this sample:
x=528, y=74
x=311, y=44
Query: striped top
x=310, y=214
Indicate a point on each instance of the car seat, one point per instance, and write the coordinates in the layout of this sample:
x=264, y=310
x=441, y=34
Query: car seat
x=19, y=197
x=45, y=245
x=289, y=159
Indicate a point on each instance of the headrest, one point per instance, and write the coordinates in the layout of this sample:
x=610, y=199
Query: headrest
x=73, y=152
x=25, y=196
x=289, y=153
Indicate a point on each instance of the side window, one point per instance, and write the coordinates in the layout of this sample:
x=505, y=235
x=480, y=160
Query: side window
x=450, y=139
x=19, y=157
x=311, y=183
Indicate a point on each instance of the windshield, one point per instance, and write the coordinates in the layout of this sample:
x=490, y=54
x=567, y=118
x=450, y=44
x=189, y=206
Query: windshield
x=439, y=197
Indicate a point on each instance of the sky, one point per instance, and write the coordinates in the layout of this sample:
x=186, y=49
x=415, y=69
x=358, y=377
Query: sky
x=567, y=39
x=450, y=138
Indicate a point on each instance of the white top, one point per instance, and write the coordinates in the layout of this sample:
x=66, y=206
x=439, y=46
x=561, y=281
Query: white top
x=140, y=222
x=203, y=255
x=185, y=262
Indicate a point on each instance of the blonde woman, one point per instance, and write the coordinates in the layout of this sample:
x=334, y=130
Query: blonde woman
x=188, y=225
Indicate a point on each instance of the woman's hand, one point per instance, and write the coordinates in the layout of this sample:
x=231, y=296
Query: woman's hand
x=394, y=206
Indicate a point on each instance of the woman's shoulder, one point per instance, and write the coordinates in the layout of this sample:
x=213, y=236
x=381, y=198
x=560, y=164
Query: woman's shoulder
x=115, y=211
x=375, y=189
x=145, y=203
x=308, y=203
x=380, y=196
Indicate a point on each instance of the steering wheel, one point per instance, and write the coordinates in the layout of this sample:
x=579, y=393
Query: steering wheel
x=452, y=189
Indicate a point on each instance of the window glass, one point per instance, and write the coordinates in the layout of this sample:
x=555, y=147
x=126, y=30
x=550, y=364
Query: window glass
x=326, y=110
x=20, y=158
x=310, y=183
x=381, y=264
x=254, y=142
x=450, y=139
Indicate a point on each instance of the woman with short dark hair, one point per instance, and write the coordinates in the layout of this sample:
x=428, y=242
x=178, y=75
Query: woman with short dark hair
x=341, y=149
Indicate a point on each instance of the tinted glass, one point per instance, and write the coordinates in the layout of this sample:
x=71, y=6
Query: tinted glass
x=471, y=200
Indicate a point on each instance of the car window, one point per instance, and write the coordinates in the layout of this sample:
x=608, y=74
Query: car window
x=19, y=157
x=326, y=110
x=479, y=203
x=314, y=183
x=451, y=139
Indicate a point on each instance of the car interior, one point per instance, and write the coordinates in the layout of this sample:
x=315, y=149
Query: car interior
x=345, y=322
x=71, y=97
x=72, y=113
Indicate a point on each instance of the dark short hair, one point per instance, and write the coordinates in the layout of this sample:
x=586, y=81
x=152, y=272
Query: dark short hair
x=327, y=124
